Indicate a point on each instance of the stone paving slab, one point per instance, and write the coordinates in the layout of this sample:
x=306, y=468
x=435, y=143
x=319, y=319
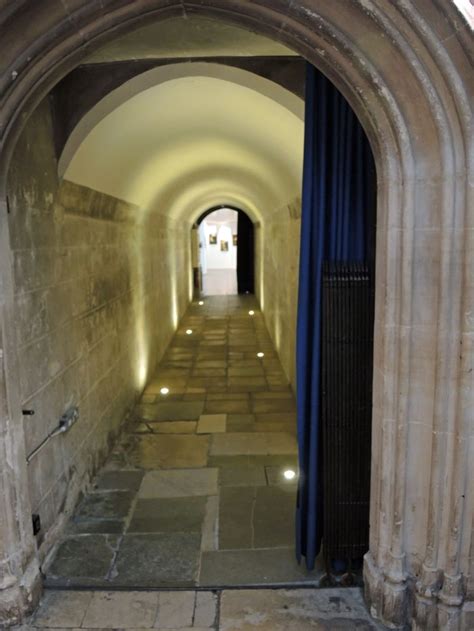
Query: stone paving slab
x=83, y=560
x=236, y=516
x=212, y=424
x=115, y=610
x=157, y=560
x=105, y=505
x=250, y=475
x=62, y=609
x=248, y=460
x=265, y=443
x=273, y=520
x=179, y=483
x=171, y=498
x=169, y=451
x=96, y=526
x=297, y=609
x=293, y=610
x=163, y=427
x=275, y=475
x=119, y=481
x=172, y=411
x=168, y=515
x=228, y=406
x=256, y=517
x=272, y=566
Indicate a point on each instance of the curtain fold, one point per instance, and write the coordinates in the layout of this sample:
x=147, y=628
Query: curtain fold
x=338, y=206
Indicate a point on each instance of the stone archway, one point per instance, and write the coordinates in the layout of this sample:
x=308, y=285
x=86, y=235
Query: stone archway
x=406, y=71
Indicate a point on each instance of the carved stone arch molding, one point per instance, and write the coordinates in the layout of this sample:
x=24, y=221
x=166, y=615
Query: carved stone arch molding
x=406, y=68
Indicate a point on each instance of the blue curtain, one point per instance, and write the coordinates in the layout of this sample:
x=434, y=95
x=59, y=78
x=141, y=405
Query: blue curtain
x=336, y=225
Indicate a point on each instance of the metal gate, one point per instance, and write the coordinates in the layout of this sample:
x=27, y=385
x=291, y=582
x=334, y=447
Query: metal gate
x=346, y=409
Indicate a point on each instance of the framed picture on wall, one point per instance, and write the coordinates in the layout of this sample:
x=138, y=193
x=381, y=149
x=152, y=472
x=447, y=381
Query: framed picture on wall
x=213, y=239
x=224, y=246
x=234, y=239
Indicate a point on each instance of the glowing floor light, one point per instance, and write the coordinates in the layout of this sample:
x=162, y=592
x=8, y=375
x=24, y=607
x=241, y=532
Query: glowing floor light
x=189, y=331
x=260, y=355
x=289, y=474
x=200, y=303
x=164, y=391
x=251, y=312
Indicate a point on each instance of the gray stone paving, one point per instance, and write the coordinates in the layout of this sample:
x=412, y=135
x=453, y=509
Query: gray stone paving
x=220, y=610
x=194, y=492
x=194, y=495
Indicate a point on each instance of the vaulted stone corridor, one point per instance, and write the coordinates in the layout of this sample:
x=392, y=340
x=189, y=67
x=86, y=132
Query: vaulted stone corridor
x=200, y=489
x=144, y=443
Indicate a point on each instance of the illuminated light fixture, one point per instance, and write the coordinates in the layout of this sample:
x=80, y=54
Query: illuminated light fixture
x=189, y=331
x=251, y=312
x=164, y=391
x=260, y=355
x=289, y=474
x=200, y=303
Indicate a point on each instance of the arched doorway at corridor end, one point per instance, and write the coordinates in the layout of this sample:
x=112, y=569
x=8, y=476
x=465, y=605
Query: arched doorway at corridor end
x=223, y=252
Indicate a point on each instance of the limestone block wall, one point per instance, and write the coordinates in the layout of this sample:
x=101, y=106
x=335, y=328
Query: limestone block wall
x=277, y=280
x=97, y=299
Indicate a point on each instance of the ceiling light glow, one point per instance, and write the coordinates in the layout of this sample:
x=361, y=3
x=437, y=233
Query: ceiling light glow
x=260, y=355
x=251, y=312
x=189, y=331
x=164, y=391
x=289, y=474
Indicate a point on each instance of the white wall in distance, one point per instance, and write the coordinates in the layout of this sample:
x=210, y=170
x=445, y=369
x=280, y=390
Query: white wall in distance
x=223, y=224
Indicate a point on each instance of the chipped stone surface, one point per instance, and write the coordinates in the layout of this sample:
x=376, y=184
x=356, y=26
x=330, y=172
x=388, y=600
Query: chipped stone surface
x=175, y=610
x=157, y=560
x=295, y=610
x=62, y=609
x=122, y=610
x=205, y=612
x=219, y=610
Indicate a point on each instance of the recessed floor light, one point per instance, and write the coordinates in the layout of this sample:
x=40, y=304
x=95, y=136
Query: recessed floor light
x=189, y=332
x=164, y=391
x=260, y=355
x=200, y=303
x=252, y=312
x=289, y=474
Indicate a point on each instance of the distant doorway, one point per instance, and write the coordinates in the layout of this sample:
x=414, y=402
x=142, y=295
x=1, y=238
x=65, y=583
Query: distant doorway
x=226, y=258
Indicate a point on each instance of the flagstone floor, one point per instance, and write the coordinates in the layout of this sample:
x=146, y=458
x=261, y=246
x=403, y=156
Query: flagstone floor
x=228, y=610
x=195, y=493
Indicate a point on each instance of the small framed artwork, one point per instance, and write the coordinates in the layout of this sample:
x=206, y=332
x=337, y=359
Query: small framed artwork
x=234, y=239
x=213, y=239
x=224, y=246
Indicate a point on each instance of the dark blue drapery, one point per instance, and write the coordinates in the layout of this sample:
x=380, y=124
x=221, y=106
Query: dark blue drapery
x=336, y=225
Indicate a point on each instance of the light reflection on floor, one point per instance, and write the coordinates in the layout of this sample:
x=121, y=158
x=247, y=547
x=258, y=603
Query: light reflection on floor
x=195, y=493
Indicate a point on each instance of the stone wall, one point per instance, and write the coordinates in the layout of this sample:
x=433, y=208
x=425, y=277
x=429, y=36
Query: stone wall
x=277, y=280
x=406, y=68
x=97, y=299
